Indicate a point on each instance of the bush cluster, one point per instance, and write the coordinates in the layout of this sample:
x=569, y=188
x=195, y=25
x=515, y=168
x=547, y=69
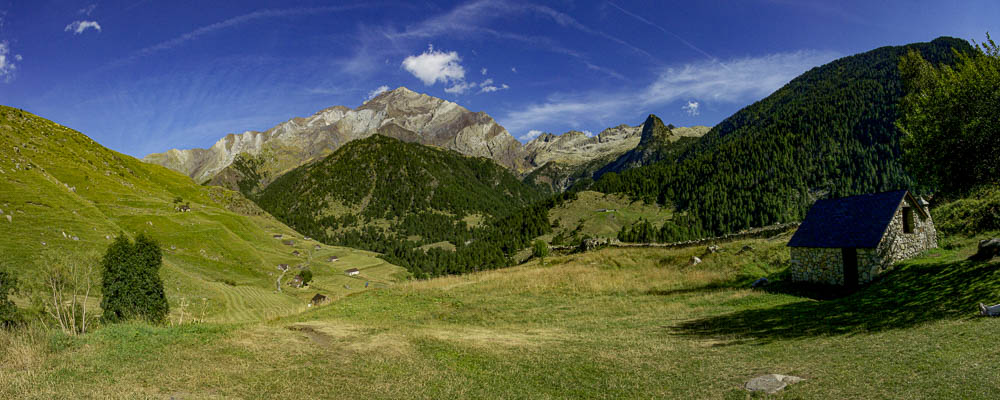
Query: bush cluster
x=130, y=281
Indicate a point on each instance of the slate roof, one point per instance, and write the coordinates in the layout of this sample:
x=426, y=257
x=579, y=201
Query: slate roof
x=855, y=221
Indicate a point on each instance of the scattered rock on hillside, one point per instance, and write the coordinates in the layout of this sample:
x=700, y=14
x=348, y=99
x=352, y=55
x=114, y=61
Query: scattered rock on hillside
x=771, y=383
x=9, y=219
x=712, y=249
x=695, y=260
x=988, y=248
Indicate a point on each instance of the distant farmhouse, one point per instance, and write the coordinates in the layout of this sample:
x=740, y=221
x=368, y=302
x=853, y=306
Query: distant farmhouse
x=852, y=240
x=352, y=272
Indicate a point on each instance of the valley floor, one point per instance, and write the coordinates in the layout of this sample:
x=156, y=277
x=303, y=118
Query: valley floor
x=635, y=323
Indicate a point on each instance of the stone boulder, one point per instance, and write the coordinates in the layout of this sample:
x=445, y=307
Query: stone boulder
x=695, y=260
x=771, y=383
x=988, y=248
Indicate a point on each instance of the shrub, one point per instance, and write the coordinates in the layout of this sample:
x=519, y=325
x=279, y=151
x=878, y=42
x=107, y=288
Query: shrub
x=9, y=316
x=306, y=276
x=130, y=279
x=979, y=212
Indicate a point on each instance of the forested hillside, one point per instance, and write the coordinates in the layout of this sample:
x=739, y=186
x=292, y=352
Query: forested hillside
x=829, y=132
x=390, y=196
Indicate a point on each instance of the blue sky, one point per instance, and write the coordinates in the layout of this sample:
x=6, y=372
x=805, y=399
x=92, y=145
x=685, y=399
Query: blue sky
x=145, y=76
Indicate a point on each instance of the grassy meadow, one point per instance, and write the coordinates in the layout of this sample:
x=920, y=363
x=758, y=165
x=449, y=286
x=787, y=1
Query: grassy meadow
x=590, y=214
x=613, y=323
x=63, y=197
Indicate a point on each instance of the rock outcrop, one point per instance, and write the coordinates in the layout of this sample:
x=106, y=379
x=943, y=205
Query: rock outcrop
x=657, y=142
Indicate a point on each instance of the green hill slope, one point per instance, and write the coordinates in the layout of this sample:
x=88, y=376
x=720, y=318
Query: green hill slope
x=395, y=190
x=62, y=193
x=829, y=132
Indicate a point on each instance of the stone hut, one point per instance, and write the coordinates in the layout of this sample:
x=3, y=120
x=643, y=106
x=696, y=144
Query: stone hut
x=852, y=240
x=318, y=299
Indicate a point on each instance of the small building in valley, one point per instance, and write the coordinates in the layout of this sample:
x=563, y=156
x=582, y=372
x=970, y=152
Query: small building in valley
x=318, y=299
x=352, y=272
x=852, y=240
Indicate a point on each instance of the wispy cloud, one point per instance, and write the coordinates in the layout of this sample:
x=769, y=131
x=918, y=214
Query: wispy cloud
x=88, y=10
x=78, y=27
x=489, y=87
x=377, y=91
x=530, y=135
x=691, y=108
x=8, y=62
x=229, y=23
x=473, y=19
x=664, y=30
x=735, y=81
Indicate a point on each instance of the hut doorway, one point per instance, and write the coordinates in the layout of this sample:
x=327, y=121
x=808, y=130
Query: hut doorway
x=850, y=256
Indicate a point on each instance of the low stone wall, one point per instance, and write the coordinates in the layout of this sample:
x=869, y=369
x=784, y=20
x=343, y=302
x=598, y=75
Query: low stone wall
x=753, y=233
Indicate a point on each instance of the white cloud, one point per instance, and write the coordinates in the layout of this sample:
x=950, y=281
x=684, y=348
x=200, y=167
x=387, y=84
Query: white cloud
x=87, y=10
x=513, y=69
x=530, y=135
x=432, y=66
x=7, y=65
x=588, y=133
x=487, y=82
x=490, y=88
x=459, y=87
x=483, y=71
x=377, y=91
x=738, y=81
x=77, y=27
x=734, y=80
x=691, y=108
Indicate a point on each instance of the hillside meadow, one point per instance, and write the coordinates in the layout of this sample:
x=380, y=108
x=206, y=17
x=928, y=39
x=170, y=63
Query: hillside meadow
x=636, y=323
x=63, y=198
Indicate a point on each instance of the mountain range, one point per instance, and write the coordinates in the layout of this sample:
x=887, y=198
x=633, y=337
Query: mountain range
x=250, y=161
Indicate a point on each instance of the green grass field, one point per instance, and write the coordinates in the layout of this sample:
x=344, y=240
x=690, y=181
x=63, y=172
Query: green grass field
x=68, y=196
x=635, y=323
x=591, y=213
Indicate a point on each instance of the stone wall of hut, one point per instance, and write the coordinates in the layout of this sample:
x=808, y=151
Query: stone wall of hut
x=826, y=265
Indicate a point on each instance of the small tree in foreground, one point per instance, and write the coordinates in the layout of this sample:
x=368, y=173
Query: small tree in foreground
x=66, y=284
x=540, y=250
x=130, y=279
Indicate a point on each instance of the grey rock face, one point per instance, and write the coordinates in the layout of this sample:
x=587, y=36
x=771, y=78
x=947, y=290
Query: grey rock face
x=399, y=113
